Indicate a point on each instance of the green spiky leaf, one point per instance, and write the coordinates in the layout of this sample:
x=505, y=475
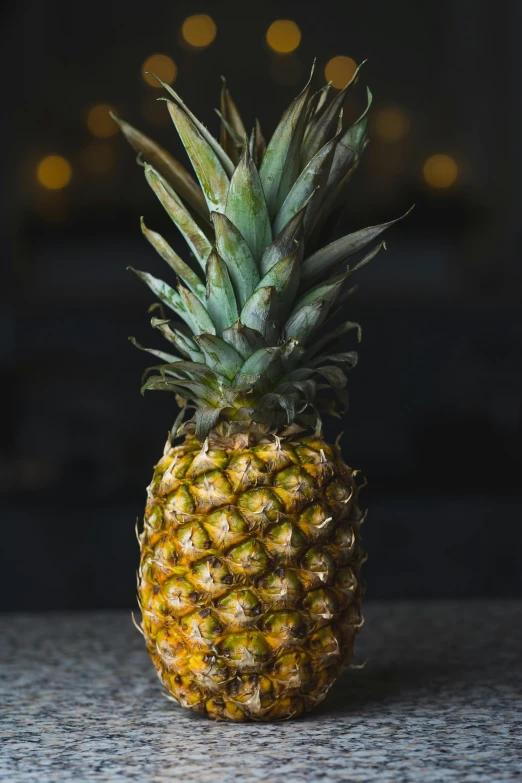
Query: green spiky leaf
x=322, y=260
x=196, y=315
x=168, y=167
x=211, y=174
x=164, y=292
x=193, y=235
x=237, y=257
x=177, y=336
x=304, y=320
x=281, y=161
x=220, y=355
x=313, y=176
x=206, y=419
x=232, y=129
x=246, y=206
x=205, y=134
x=333, y=335
x=182, y=269
x=260, y=361
x=259, y=313
x=285, y=242
x=323, y=128
x=166, y=357
x=220, y=297
x=284, y=277
x=243, y=339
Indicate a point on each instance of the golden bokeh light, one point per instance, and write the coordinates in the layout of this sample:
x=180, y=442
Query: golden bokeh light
x=100, y=122
x=283, y=36
x=54, y=172
x=440, y=171
x=98, y=158
x=163, y=66
x=339, y=70
x=390, y=123
x=199, y=30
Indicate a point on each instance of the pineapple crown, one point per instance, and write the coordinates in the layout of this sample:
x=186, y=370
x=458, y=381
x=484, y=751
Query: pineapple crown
x=253, y=333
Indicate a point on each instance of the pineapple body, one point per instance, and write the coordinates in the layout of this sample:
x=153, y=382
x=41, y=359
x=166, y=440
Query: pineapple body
x=250, y=553
x=249, y=578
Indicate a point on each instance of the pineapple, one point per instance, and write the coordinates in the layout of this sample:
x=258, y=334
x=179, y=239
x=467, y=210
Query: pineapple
x=249, y=582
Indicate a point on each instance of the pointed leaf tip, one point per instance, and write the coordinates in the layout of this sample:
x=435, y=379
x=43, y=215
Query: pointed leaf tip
x=209, y=169
x=246, y=206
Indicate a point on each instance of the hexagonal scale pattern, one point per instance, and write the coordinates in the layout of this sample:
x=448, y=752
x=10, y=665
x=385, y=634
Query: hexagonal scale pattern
x=249, y=580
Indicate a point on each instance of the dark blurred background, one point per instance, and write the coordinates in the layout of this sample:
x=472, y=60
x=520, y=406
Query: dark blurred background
x=435, y=416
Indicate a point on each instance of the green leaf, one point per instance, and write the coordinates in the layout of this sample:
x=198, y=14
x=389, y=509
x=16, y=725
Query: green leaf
x=206, y=419
x=221, y=300
x=313, y=176
x=196, y=371
x=342, y=248
x=174, y=261
x=281, y=161
x=193, y=235
x=164, y=292
x=219, y=355
x=286, y=240
x=246, y=206
x=349, y=149
x=211, y=174
x=333, y=335
x=335, y=377
x=348, y=359
x=166, y=357
x=284, y=277
x=315, y=108
x=236, y=254
x=232, y=129
x=177, y=337
x=188, y=389
x=236, y=141
x=324, y=127
x=326, y=292
x=196, y=315
x=260, y=361
x=368, y=257
x=243, y=339
x=168, y=167
x=205, y=134
x=260, y=143
x=259, y=313
x=304, y=320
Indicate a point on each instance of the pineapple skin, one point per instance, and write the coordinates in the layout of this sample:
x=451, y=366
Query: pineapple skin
x=249, y=580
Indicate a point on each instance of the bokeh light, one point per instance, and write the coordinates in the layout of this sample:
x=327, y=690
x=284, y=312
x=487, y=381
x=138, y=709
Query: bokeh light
x=199, y=30
x=100, y=122
x=390, y=123
x=283, y=36
x=163, y=66
x=440, y=171
x=98, y=158
x=54, y=172
x=339, y=70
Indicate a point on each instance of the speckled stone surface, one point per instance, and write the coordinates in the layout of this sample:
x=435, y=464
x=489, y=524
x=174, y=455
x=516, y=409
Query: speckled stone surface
x=440, y=699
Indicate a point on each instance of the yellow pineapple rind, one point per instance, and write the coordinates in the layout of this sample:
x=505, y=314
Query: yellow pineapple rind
x=249, y=577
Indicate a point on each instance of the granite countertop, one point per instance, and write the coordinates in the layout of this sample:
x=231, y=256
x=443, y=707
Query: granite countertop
x=440, y=699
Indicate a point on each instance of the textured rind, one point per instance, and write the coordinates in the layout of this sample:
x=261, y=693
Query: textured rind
x=249, y=579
